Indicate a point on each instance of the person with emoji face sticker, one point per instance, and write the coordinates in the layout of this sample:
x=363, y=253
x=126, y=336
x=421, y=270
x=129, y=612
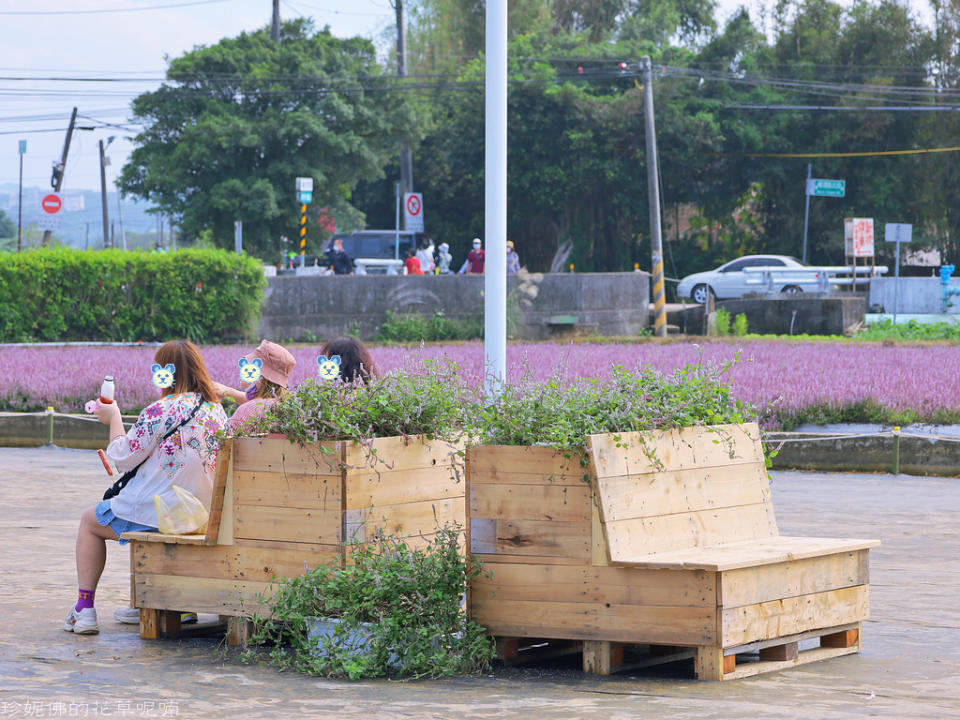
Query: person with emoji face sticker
x=266, y=372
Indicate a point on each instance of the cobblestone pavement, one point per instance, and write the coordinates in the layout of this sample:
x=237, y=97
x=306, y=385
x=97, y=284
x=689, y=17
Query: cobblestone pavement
x=909, y=667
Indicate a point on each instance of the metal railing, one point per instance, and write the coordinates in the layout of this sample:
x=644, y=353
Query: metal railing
x=773, y=279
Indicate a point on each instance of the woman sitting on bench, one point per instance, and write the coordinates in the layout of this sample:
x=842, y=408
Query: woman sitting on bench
x=173, y=442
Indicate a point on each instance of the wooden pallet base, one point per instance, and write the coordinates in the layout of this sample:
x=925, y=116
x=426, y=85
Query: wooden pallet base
x=602, y=657
x=165, y=624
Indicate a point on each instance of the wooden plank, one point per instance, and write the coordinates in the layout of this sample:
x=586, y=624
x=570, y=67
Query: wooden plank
x=222, y=597
x=748, y=586
x=708, y=663
x=677, y=449
x=257, y=522
x=150, y=623
x=299, y=490
x=239, y=631
x=781, y=653
x=804, y=657
x=797, y=638
x=156, y=537
x=681, y=491
x=395, y=487
x=525, y=465
x=681, y=531
x=596, y=621
x=600, y=544
x=280, y=455
x=544, y=538
x=621, y=586
x=561, y=503
x=779, y=618
x=733, y=556
x=401, y=453
x=491, y=561
x=331, y=551
x=600, y=657
x=219, y=489
x=230, y=562
x=842, y=639
x=225, y=535
x=404, y=520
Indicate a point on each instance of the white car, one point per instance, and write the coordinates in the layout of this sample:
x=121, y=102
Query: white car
x=730, y=280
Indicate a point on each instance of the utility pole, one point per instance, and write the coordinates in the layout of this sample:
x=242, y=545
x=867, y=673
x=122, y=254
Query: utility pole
x=103, y=194
x=56, y=180
x=806, y=212
x=406, y=156
x=23, y=151
x=123, y=233
x=653, y=200
x=275, y=24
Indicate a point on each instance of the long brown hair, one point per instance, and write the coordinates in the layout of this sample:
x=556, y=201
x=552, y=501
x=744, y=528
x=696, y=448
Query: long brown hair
x=191, y=372
x=355, y=361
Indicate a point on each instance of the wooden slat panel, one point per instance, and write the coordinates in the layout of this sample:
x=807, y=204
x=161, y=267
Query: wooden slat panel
x=394, y=487
x=280, y=455
x=658, y=534
x=210, y=595
x=400, y=453
x=521, y=465
x=679, y=449
x=748, y=586
x=491, y=561
x=548, y=538
x=404, y=520
x=807, y=656
x=234, y=562
x=767, y=551
x=596, y=621
x=219, y=490
x=297, y=490
x=788, y=616
x=562, y=503
x=621, y=586
x=634, y=496
x=257, y=522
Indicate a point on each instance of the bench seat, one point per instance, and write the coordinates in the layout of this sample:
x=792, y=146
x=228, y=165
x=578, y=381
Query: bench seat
x=747, y=553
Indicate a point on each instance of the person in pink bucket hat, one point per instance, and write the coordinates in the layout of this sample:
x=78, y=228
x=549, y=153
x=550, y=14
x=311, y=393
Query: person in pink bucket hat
x=266, y=371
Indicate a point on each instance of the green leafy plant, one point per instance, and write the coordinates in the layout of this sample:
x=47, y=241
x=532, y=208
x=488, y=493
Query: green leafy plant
x=399, y=610
x=418, y=328
x=740, y=325
x=723, y=322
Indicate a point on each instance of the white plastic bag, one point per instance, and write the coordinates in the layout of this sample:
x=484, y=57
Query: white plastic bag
x=187, y=516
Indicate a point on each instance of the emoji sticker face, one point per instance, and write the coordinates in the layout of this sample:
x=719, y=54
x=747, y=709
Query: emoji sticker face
x=163, y=376
x=250, y=369
x=328, y=368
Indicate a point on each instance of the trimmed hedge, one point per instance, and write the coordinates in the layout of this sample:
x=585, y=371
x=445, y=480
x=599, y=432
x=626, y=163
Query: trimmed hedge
x=59, y=294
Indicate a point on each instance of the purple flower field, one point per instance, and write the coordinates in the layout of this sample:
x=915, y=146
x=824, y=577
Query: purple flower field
x=793, y=375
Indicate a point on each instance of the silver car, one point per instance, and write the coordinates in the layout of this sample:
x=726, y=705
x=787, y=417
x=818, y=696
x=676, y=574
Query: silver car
x=730, y=280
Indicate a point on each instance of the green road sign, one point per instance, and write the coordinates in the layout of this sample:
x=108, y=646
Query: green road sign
x=305, y=197
x=826, y=188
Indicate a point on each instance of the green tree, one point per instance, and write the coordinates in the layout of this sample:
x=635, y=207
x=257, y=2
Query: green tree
x=238, y=121
x=8, y=228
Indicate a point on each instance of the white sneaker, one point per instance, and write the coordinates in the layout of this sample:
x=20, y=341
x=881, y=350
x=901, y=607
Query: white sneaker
x=83, y=622
x=127, y=615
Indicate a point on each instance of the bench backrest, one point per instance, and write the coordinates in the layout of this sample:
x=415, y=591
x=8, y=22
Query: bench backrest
x=691, y=487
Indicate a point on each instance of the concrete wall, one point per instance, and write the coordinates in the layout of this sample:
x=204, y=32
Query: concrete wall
x=917, y=295
x=602, y=303
x=807, y=313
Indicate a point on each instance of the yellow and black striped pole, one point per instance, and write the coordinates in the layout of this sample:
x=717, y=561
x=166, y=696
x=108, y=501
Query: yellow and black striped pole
x=653, y=199
x=659, y=305
x=303, y=235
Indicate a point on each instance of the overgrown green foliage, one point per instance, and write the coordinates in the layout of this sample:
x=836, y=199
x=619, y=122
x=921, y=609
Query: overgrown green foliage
x=64, y=294
x=725, y=326
x=417, y=328
x=740, y=326
x=911, y=330
x=399, y=609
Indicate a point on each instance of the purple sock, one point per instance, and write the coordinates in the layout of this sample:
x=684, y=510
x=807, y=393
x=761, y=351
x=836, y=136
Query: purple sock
x=84, y=599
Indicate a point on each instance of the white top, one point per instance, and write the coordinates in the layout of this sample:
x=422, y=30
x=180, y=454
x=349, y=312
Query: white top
x=188, y=458
x=425, y=256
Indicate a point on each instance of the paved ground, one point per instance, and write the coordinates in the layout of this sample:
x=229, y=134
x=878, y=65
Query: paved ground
x=910, y=666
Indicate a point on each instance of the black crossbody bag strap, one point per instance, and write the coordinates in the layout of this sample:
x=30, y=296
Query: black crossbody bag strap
x=121, y=483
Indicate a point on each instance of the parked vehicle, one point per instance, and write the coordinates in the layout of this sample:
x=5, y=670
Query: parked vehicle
x=730, y=281
x=373, y=245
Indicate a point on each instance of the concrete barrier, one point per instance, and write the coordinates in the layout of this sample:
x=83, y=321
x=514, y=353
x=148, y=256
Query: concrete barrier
x=915, y=295
x=799, y=314
x=71, y=431
x=539, y=306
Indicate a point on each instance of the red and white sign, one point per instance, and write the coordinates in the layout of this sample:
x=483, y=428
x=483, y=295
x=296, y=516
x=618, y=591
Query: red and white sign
x=413, y=212
x=858, y=237
x=51, y=203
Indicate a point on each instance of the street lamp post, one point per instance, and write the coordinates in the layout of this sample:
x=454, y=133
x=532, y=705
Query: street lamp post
x=104, y=161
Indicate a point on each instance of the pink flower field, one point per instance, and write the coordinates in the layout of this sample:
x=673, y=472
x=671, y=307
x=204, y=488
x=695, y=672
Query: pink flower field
x=794, y=376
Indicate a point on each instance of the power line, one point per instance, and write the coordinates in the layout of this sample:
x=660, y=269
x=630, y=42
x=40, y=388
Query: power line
x=109, y=10
x=874, y=153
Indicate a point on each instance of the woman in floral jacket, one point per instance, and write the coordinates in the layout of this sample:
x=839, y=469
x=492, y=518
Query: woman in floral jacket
x=190, y=407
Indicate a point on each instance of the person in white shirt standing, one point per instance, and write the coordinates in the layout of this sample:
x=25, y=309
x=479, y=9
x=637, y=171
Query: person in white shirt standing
x=174, y=441
x=425, y=256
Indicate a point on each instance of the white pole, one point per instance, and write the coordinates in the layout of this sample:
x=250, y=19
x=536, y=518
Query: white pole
x=495, y=198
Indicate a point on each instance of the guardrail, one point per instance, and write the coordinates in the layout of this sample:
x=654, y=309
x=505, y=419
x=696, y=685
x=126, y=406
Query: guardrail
x=826, y=277
x=365, y=266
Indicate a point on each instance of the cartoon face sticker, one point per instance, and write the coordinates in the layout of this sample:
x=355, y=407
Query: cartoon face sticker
x=328, y=367
x=250, y=369
x=163, y=376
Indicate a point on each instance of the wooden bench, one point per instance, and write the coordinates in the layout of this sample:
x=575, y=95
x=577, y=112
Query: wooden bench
x=665, y=540
x=278, y=510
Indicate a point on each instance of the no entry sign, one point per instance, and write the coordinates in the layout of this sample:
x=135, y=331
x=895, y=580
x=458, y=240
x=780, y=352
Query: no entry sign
x=51, y=204
x=413, y=212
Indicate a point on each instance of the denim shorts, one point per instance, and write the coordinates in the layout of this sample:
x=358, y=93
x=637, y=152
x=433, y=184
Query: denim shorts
x=106, y=518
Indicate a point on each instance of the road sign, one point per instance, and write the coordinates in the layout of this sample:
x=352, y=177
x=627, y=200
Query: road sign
x=51, y=203
x=23, y=147
x=826, y=188
x=858, y=237
x=413, y=212
x=898, y=232
x=304, y=184
x=305, y=197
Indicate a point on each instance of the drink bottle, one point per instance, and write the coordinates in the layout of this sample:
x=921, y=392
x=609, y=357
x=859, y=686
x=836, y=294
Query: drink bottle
x=106, y=390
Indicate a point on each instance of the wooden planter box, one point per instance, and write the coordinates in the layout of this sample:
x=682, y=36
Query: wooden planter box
x=279, y=509
x=664, y=539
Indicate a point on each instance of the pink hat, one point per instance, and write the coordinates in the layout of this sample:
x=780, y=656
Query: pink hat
x=277, y=362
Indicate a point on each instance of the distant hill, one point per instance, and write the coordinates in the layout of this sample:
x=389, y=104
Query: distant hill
x=82, y=221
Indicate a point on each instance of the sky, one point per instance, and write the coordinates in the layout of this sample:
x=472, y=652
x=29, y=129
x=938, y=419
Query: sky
x=128, y=40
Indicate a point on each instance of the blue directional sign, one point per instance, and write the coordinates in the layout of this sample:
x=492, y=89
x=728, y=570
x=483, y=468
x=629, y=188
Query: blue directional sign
x=826, y=188
x=305, y=197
